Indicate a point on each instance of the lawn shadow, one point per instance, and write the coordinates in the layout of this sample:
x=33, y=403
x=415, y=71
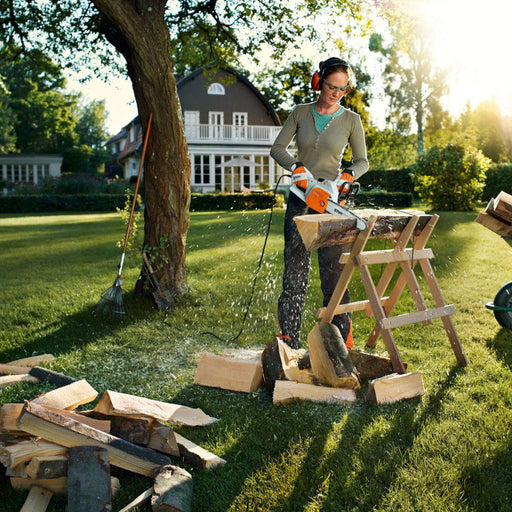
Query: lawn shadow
x=488, y=484
x=501, y=344
x=379, y=438
x=78, y=329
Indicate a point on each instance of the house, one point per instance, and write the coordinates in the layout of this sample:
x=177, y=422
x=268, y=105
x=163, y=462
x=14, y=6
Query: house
x=29, y=169
x=229, y=127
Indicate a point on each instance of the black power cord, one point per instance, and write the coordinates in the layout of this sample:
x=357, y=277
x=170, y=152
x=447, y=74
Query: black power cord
x=257, y=272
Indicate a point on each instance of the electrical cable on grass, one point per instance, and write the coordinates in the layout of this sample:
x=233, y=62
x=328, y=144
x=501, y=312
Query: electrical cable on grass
x=256, y=274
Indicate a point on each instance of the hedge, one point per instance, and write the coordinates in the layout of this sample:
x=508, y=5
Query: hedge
x=383, y=199
x=254, y=201
x=61, y=203
x=392, y=181
x=36, y=203
x=498, y=178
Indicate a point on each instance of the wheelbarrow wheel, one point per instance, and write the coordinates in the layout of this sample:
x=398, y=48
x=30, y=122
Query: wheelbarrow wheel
x=504, y=299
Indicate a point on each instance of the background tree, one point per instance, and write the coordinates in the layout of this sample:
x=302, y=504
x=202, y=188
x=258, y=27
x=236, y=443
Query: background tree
x=139, y=31
x=413, y=86
x=44, y=118
x=7, y=136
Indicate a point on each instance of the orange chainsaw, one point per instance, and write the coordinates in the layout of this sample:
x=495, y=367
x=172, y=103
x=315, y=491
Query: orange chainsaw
x=325, y=196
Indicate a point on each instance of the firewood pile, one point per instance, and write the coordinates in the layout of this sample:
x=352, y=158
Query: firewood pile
x=49, y=447
x=291, y=375
x=498, y=215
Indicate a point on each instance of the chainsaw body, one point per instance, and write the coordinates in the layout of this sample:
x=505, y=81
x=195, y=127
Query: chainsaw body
x=323, y=196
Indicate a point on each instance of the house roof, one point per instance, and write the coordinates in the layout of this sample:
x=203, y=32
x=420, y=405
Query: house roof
x=242, y=79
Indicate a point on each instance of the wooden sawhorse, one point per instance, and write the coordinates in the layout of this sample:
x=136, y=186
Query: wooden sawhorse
x=381, y=307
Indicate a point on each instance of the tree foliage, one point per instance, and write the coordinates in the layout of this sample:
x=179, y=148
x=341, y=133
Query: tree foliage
x=451, y=177
x=43, y=117
x=412, y=84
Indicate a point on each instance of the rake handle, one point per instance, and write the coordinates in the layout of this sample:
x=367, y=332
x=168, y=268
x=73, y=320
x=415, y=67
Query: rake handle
x=130, y=219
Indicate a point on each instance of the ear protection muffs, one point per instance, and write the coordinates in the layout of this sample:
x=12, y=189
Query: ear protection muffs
x=332, y=62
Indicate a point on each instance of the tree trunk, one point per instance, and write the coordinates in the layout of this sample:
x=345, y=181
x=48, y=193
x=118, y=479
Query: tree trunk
x=139, y=32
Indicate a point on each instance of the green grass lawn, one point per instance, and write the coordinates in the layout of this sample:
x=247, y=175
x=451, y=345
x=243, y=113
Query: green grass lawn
x=449, y=450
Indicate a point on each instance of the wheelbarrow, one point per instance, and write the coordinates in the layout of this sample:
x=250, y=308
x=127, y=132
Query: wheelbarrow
x=502, y=305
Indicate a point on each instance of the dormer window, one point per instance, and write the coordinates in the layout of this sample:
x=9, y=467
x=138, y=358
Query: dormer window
x=217, y=89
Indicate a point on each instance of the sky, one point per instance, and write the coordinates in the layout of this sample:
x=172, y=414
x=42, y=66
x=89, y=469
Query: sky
x=471, y=38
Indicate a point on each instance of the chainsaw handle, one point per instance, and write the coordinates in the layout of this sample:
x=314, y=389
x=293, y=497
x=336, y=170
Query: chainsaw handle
x=349, y=189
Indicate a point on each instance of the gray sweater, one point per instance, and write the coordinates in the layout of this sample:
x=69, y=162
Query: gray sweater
x=321, y=152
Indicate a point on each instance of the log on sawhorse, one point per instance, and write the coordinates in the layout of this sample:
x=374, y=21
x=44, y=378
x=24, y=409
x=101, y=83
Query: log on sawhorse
x=414, y=230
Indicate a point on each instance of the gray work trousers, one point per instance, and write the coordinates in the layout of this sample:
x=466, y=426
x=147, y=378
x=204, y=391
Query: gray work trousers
x=297, y=260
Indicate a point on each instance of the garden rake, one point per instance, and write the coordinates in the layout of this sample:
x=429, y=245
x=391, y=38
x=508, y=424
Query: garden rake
x=112, y=299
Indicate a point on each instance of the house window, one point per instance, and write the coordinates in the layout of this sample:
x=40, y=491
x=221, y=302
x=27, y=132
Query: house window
x=201, y=169
x=192, y=123
x=217, y=89
x=216, y=122
x=240, y=124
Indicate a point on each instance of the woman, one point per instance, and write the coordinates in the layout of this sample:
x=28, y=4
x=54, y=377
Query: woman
x=322, y=131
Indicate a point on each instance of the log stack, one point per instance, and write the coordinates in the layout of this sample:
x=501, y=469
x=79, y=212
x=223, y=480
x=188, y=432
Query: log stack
x=49, y=447
x=497, y=216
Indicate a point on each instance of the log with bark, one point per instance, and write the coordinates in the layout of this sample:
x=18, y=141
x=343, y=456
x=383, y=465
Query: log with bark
x=172, y=490
x=324, y=230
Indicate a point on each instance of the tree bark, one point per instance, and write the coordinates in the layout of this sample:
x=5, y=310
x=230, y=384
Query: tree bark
x=138, y=30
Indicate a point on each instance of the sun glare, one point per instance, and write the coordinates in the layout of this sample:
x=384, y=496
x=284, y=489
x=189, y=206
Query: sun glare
x=472, y=38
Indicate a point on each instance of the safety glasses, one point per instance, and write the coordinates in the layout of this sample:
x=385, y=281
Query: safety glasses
x=340, y=88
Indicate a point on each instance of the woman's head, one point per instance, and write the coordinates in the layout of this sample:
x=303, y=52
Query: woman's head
x=330, y=66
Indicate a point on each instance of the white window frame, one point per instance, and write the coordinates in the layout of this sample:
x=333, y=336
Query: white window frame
x=216, y=89
x=216, y=123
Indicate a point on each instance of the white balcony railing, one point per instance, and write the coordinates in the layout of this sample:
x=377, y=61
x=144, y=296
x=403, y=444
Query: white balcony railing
x=223, y=133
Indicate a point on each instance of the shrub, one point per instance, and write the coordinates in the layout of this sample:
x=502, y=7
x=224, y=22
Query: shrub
x=450, y=178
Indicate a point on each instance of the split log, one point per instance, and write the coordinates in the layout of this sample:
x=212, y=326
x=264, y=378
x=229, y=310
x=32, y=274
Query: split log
x=55, y=485
x=498, y=226
x=9, y=416
x=197, y=456
x=395, y=387
x=19, y=470
x=98, y=423
x=245, y=375
x=39, y=421
x=324, y=230
x=89, y=480
x=139, y=500
x=287, y=391
x=290, y=363
x=501, y=207
x=322, y=365
x=23, y=451
x=370, y=366
x=37, y=500
x=44, y=375
x=163, y=439
x=134, y=430
x=272, y=365
x=121, y=404
x=68, y=397
x=172, y=490
x=33, y=360
x=11, y=369
x=47, y=467
x=9, y=380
